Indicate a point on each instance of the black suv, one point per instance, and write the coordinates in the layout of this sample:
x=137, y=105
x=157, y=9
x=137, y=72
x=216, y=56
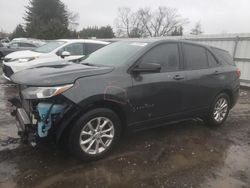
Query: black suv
x=126, y=85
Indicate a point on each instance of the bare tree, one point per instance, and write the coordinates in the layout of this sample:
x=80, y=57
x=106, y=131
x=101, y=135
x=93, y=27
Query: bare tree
x=73, y=20
x=146, y=22
x=3, y=34
x=197, y=29
x=126, y=22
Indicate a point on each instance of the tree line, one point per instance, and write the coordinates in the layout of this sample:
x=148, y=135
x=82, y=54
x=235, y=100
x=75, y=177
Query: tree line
x=51, y=19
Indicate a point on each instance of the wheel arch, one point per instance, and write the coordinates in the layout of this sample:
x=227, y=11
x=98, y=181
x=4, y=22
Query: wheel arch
x=230, y=95
x=64, y=126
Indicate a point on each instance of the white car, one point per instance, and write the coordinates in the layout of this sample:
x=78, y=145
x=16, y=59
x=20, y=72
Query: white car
x=53, y=51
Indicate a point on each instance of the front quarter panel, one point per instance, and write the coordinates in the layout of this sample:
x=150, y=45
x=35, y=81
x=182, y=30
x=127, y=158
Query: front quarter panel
x=111, y=87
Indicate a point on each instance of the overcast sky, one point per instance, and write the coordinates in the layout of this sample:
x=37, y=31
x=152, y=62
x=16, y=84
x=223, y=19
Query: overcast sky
x=216, y=16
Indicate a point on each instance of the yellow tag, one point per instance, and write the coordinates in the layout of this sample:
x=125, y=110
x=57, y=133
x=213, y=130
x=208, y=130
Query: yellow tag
x=34, y=121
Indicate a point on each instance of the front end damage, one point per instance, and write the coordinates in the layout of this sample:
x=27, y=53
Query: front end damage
x=38, y=119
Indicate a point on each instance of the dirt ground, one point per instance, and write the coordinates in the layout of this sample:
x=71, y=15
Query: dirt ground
x=187, y=154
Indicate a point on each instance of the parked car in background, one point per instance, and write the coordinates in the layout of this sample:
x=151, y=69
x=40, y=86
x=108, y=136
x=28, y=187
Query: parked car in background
x=18, y=46
x=38, y=41
x=125, y=85
x=5, y=41
x=53, y=51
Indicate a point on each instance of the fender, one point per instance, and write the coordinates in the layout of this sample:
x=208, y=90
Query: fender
x=75, y=111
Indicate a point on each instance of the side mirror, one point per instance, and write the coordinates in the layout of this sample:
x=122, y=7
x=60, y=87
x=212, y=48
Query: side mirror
x=147, y=67
x=65, y=54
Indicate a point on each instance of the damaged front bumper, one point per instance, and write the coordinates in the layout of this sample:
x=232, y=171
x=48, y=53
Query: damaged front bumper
x=24, y=126
x=22, y=120
x=37, y=121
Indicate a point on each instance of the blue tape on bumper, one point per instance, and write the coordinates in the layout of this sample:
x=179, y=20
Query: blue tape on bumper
x=47, y=113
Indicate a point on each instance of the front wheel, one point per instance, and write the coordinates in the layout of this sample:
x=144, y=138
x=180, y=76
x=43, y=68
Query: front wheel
x=219, y=110
x=95, y=134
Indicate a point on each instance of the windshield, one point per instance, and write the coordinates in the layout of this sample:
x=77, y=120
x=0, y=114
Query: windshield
x=49, y=47
x=114, y=54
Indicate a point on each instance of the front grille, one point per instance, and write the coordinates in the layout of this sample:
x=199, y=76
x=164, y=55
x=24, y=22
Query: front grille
x=7, y=70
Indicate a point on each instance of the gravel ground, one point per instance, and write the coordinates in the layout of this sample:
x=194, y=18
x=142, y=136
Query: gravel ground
x=187, y=154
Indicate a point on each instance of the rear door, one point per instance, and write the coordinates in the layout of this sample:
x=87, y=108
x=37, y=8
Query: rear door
x=158, y=95
x=204, y=78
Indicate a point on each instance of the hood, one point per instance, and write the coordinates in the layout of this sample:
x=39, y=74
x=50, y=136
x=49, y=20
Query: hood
x=57, y=74
x=22, y=54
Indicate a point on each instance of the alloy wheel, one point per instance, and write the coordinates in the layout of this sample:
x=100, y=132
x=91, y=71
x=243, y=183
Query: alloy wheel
x=220, y=110
x=96, y=135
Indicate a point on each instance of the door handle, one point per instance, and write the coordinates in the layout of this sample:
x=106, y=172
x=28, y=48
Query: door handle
x=178, y=77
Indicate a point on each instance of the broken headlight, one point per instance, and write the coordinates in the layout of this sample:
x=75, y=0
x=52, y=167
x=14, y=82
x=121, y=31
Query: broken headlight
x=44, y=92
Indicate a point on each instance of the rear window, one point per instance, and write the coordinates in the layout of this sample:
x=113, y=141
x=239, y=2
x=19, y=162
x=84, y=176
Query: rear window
x=195, y=57
x=211, y=60
x=91, y=47
x=26, y=45
x=224, y=57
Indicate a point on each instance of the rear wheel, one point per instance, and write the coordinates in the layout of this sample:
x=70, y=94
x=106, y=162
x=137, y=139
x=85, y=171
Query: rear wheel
x=219, y=110
x=95, y=134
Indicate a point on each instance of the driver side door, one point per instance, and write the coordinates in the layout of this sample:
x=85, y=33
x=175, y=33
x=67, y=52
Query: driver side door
x=157, y=96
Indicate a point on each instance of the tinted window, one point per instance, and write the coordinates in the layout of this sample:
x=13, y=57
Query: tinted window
x=223, y=56
x=195, y=57
x=74, y=49
x=26, y=45
x=14, y=45
x=167, y=55
x=115, y=54
x=211, y=60
x=91, y=47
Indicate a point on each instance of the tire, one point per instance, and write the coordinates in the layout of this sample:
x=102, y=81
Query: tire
x=86, y=135
x=214, y=118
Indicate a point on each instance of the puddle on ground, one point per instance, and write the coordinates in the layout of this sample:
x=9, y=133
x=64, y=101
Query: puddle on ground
x=235, y=171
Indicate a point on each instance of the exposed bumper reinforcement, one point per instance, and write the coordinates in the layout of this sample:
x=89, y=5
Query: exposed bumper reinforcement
x=23, y=120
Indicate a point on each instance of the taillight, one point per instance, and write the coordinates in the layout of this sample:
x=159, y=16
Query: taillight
x=238, y=73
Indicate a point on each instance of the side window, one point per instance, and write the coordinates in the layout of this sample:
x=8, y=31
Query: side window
x=223, y=56
x=211, y=60
x=167, y=55
x=73, y=49
x=26, y=45
x=91, y=47
x=14, y=45
x=195, y=57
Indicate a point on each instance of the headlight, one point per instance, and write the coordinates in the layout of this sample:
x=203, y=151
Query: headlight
x=23, y=60
x=44, y=92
